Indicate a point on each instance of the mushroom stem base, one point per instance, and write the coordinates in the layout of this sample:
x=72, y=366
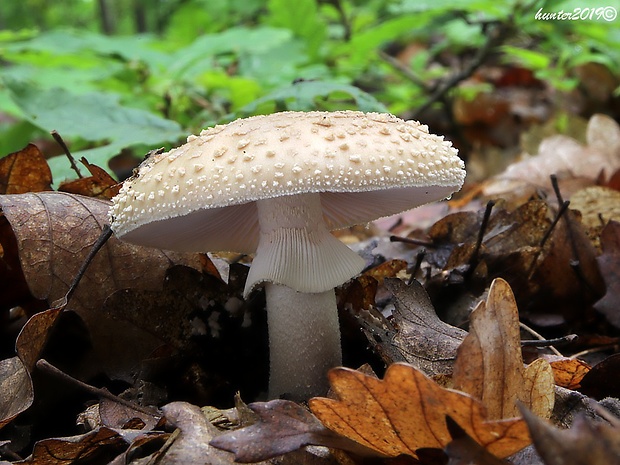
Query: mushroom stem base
x=304, y=341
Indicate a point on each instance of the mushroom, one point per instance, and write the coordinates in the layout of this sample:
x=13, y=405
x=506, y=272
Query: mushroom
x=275, y=186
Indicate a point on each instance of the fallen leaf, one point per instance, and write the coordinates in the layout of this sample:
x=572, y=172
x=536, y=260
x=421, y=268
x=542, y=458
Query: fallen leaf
x=281, y=427
x=603, y=380
x=489, y=364
x=118, y=416
x=102, y=443
x=25, y=171
x=463, y=450
x=587, y=442
x=191, y=447
x=564, y=156
x=407, y=411
x=597, y=205
x=569, y=372
x=99, y=184
x=610, y=270
x=55, y=232
x=421, y=337
x=13, y=286
x=34, y=335
x=16, y=390
x=568, y=270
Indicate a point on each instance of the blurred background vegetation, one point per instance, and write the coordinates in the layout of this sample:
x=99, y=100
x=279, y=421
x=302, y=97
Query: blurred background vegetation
x=128, y=76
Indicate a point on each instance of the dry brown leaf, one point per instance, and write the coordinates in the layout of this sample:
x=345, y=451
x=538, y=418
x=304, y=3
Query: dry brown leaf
x=16, y=390
x=489, y=364
x=597, y=205
x=463, y=450
x=587, y=442
x=568, y=372
x=25, y=171
x=603, y=380
x=280, y=427
x=608, y=263
x=191, y=447
x=407, y=411
x=564, y=156
x=55, y=232
x=99, y=184
x=77, y=449
x=421, y=337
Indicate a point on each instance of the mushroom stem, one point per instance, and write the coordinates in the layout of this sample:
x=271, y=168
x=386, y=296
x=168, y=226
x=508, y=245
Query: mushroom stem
x=300, y=263
x=304, y=341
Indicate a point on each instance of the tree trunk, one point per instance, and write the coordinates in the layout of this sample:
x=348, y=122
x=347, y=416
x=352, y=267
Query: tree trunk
x=139, y=12
x=105, y=16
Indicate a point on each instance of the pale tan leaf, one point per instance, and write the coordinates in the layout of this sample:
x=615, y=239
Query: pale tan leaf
x=489, y=364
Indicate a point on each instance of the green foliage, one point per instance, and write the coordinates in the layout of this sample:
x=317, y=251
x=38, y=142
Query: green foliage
x=206, y=61
x=91, y=118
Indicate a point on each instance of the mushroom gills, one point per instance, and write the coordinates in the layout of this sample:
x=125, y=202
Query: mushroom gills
x=296, y=249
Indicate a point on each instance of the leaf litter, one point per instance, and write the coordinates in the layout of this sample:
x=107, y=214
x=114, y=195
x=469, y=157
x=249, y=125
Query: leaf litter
x=558, y=266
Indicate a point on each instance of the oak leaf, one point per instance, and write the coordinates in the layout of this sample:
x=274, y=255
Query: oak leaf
x=407, y=411
x=489, y=365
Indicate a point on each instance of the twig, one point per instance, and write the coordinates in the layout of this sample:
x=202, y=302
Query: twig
x=403, y=69
x=593, y=350
x=47, y=367
x=100, y=242
x=61, y=142
x=474, y=259
x=346, y=23
x=539, y=337
x=494, y=36
x=408, y=240
x=417, y=265
x=550, y=342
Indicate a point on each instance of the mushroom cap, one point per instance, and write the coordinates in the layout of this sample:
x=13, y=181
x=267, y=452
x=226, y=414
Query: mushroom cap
x=201, y=196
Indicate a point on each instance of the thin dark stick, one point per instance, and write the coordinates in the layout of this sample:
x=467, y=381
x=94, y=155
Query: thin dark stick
x=61, y=142
x=550, y=342
x=403, y=69
x=47, y=367
x=494, y=37
x=416, y=266
x=561, y=212
x=473, y=261
x=106, y=232
x=556, y=188
x=408, y=240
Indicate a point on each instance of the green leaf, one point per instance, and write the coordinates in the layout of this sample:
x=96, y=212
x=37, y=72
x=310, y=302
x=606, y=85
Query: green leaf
x=93, y=117
x=300, y=17
x=312, y=95
x=529, y=58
